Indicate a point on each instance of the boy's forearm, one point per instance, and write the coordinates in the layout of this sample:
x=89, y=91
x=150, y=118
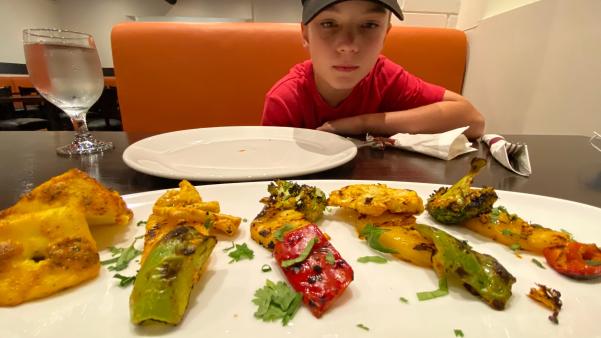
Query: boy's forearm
x=434, y=118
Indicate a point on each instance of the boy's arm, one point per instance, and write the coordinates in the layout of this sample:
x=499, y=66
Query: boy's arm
x=452, y=112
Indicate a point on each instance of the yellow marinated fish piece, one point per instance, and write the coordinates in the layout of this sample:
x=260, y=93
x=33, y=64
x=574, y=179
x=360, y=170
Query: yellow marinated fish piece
x=185, y=206
x=101, y=206
x=375, y=199
x=509, y=229
x=270, y=219
x=44, y=252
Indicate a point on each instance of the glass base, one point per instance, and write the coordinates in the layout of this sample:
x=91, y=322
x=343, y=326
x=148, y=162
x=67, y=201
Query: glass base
x=84, y=144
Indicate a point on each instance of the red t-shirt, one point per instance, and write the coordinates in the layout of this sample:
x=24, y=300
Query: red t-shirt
x=295, y=102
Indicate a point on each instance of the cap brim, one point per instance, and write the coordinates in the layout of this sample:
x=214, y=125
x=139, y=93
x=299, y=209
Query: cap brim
x=311, y=8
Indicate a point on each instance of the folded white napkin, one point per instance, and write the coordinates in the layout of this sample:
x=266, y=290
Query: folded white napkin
x=513, y=156
x=596, y=137
x=445, y=146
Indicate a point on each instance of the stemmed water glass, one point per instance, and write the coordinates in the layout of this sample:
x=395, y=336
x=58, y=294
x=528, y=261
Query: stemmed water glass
x=65, y=69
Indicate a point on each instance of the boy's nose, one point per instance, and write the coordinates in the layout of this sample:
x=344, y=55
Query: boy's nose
x=347, y=42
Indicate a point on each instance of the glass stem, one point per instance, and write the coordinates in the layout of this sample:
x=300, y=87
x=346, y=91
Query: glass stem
x=79, y=123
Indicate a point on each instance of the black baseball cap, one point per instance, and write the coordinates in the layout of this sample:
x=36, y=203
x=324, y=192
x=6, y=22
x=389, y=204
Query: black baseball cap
x=312, y=7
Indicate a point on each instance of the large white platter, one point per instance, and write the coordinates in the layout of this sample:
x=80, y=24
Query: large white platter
x=220, y=304
x=238, y=153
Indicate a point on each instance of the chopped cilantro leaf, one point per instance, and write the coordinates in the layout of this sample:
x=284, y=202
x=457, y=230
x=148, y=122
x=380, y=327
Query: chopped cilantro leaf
x=515, y=246
x=404, y=300
x=141, y=223
x=276, y=301
x=242, y=252
x=507, y=232
x=266, y=268
x=372, y=235
x=121, y=257
x=303, y=255
x=458, y=333
x=230, y=248
x=442, y=290
x=330, y=258
x=372, y=259
x=361, y=326
x=593, y=262
x=244, y=220
x=279, y=233
x=208, y=223
x=125, y=280
x=539, y=264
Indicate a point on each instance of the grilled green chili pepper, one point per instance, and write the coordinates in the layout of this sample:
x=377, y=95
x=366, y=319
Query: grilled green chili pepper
x=162, y=288
x=481, y=274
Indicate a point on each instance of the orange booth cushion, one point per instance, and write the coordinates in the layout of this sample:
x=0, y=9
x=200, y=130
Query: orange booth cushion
x=173, y=76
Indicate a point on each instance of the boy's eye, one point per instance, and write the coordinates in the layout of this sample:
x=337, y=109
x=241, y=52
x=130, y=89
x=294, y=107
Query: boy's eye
x=370, y=25
x=327, y=24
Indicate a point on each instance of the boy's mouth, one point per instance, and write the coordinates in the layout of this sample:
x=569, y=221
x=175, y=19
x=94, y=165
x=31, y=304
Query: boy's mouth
x=345, y=68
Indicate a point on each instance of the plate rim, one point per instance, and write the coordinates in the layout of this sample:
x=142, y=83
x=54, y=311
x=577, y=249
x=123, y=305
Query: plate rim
x=351, y=148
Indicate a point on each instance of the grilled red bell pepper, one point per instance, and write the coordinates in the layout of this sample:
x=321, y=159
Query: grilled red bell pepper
x=575, y=260
x=322, y=276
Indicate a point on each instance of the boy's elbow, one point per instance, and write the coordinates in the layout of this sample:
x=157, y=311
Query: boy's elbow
x=476, y=124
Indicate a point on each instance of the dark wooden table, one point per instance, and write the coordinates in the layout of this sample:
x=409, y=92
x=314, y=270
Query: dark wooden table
x=563, y=166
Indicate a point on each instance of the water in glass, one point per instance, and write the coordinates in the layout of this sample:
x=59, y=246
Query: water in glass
x=65, y=69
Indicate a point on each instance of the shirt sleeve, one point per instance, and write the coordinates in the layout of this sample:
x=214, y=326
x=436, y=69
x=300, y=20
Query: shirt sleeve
x=406, y=91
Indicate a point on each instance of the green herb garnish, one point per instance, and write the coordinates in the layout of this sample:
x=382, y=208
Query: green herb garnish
x=125, y=280
x=266, y=268
x=539, y=264
x=372, y=235
x=303, y=255
x=372, y=259
x=361, y=326
x=242, y=252
x=141, y=223
x=458, y=333
x=121, y=256
x=592, y=262
x=330, y=258
x=244, y=220
x=279, y=233
x=404, y=300
x=495, y=213
x=208, y=223
x=230, y=248
x=443, y=290
x=515, y=246
x=507, y=232
x=276, y=301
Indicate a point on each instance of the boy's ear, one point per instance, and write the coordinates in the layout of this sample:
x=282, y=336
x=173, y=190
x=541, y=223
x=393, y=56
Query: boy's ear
x=305, y=35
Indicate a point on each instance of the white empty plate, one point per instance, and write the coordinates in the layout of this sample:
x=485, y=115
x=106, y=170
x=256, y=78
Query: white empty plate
x=238, y=153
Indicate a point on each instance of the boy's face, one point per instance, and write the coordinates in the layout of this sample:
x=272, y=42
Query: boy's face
x=344, y=41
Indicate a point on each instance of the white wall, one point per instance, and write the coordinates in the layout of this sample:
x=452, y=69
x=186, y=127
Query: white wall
x=97, y=17
x=536, y=69
x=16, y=15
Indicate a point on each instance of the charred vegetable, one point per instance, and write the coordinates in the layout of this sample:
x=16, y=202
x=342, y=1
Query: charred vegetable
x=313, y=267
x=162, y=287
x=481, y=274
x=287, y=204
x=310, y=201
x=510, y=229
x=575, y=260
x=460, y=202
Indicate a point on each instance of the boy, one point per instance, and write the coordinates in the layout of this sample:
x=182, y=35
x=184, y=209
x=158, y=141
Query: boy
x=349, y=88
